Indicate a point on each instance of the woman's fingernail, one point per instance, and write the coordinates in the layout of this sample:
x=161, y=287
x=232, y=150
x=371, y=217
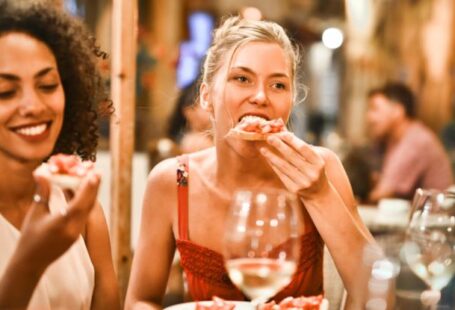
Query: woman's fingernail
x=93, y=178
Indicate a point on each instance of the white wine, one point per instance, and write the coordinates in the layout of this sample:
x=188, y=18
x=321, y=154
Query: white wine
x=431, y=256
x=260, y=277
x=435, y=273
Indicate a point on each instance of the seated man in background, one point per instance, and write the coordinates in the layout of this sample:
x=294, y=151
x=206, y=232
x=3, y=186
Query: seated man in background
x=413, y=156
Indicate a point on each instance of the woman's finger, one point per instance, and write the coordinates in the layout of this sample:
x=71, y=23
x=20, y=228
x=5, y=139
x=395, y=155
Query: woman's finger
x=40, y=204
x=85, y=197
x=286, y=180
x=306, y=150
x=287, y=152
x=292, y=172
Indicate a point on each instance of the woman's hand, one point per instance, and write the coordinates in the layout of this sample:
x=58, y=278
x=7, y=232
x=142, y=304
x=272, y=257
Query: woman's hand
x=299, y=166
x=46, y=236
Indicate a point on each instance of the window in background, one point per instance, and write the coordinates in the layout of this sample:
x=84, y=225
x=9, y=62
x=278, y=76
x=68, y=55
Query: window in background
x=74, y=7
x=200, y=26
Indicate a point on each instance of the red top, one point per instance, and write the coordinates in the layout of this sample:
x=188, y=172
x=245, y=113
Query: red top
x=204, y=268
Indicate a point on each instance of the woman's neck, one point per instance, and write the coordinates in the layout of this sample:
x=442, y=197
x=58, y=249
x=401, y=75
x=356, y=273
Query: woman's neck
x=17, y=184
x=249, y=169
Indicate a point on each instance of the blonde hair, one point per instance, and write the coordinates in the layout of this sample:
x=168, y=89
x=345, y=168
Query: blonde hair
x=235, y=32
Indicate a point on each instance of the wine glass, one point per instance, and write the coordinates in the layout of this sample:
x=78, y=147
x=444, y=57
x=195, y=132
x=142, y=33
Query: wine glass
x=261, y=245
x=430, y=240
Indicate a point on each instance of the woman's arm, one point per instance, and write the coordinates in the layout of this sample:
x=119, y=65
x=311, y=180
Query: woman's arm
x=320, y=181
x=105, y=294
x=346, y=236
x=155, y=250
x=340, y=181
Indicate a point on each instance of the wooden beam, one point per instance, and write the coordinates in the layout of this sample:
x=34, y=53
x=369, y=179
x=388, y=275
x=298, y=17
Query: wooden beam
x=124, y=41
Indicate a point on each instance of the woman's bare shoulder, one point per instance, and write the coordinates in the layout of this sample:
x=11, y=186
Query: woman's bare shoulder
x=202, y=162
x=337, y=175
x=327, y=154
x=333, y=165
x=161, y=191
x=163, y=174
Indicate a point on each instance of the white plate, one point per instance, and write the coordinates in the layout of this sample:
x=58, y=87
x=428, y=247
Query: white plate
x=239, y=305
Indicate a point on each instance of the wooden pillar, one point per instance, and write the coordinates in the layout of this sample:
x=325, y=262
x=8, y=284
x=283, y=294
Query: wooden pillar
x=166, y=24
x=124, y=34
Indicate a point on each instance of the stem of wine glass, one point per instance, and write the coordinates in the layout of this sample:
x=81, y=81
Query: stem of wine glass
x=258, y=301
x=430, y=298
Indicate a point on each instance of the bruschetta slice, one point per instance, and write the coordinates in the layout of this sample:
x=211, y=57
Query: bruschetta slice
x=66, y=171
x=255, y=128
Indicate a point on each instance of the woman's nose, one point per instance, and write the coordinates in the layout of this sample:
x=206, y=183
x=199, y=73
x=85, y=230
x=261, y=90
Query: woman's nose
x=31, y=104
x=260, y=95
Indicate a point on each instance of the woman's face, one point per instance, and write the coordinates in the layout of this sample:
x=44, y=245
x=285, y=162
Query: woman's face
x=32, y=98
x=257, y=81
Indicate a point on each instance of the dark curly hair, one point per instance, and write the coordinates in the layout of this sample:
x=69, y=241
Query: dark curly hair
x=75, y=51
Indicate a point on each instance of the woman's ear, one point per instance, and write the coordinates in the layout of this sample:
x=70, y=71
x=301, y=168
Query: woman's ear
x=204, y=98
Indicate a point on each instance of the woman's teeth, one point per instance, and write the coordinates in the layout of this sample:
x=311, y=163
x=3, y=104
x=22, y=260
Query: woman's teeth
x=252, y=117
x=32, y=130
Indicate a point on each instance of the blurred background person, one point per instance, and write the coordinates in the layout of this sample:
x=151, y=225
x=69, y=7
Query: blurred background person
x=359, y=170
x=413, y=156
x=190, y=124
x=448, y=139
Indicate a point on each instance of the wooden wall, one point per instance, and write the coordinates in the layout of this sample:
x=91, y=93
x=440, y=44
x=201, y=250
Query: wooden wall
x=411, y=41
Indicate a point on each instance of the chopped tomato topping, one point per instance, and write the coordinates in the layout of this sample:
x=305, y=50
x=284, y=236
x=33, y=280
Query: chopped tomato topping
x=261, y=125
x=301, y=303
x=69, y=164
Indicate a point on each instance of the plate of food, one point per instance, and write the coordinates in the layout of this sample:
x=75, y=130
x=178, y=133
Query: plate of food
x=303, y=303
x=215, y=304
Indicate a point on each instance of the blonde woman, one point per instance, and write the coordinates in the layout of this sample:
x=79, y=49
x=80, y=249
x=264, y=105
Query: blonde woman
x=250, y=69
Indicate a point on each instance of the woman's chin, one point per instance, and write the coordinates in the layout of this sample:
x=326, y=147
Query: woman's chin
x=249, y=151
x=36, y=155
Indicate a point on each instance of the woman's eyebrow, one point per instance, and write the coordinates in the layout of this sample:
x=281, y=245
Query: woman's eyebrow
x=43, y=72
x=277, y=74
x=12, y=77
x=9, y=77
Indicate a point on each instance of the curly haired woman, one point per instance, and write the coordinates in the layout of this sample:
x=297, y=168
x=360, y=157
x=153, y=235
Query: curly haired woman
x=50, y=91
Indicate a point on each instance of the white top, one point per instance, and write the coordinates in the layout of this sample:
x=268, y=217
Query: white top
x=69, y=281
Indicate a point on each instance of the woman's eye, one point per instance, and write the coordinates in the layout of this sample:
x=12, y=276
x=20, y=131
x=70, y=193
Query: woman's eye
x=7, y=94
x=279, y=85
x=48, y=87
x=242, y=79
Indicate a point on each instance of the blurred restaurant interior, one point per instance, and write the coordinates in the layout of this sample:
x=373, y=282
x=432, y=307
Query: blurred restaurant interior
x=348, y=47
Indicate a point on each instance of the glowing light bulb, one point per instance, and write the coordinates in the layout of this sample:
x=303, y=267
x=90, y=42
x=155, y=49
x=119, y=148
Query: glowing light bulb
x=332, y=38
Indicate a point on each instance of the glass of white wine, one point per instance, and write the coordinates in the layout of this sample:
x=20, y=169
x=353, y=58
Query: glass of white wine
x=261, y=244
x=429, y=249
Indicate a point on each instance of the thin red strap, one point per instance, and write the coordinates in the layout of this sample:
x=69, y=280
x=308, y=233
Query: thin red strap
x=183, y=170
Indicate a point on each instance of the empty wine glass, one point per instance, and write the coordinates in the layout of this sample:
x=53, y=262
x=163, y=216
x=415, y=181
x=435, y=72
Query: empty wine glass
x=261, y=245
x=430, y=243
